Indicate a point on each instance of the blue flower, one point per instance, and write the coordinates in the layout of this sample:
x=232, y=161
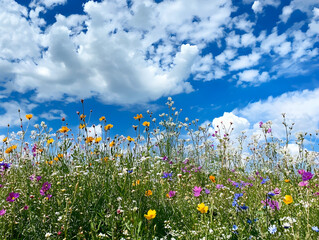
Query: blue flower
x=244, y=207
x=272, y=229
x=166, y=175
x=265, y=180
x=129, y=171
x=315, y=228
x=249, y=221
x=235, y=227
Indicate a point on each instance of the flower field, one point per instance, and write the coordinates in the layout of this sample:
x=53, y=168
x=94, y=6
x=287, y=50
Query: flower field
x=174, y=179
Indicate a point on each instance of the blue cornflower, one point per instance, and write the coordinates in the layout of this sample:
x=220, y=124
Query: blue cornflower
x=235, y=227
x=129, y=171
x=249, y=221
x=315, y=228
x=265, y=180
x=272, y=229
x=270, y=194
x=166, y=175
x=234, y=203
x=243, y=207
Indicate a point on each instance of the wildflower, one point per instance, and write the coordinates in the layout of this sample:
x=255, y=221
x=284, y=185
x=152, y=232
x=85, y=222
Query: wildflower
x=2, y=212
x=273, y=204
x=197, y=191
x=235, y=227
x=301, y=171
x=146, y=124
x=307, y=176
x=64, y=129
x=48, y=197
x=151, y=214
x=137, y=182
x=82, y=126
x=166, y=175
x=202, y=208
x=303, y=183
x=98, y=139
x=138, y=117
x=130, y=139
x=260, y=124
x=272, y=229
x=50, y=141
x=89, y=139
x=47, y=235
x=38, y=178
x=207, y=191
x=148, y=193
x=265, y=180
x=82, y=116
x=287, y=180
x=212, y=178
x=12, y=196
x=5, y=139
x=108, y=127
x=28, y=116
x=277, y=191
x=112, y=144
x=134, y=126
x=171, y=194
x=288, y=199
x=10, y=149
x=219, y=186
x=45, y=187
x=26, y=207
x=102, y=118
x=315, y=228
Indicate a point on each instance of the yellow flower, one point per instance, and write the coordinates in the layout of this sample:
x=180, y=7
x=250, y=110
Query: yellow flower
x=49, y=162
x=108, y=127
x=82, y=126
x=60, y=155
x=148, y=193
x=212, y=178
x=28, y=116
x=288, y=199
x=138, y=117
x=105, y=159
x=50, y=141
x=10, y=149
x=102, y=118
x=5, y=139
x=112, y=144
x=98, y=139
x=202, y=208
x=82, y=116
x=64, y=129
x=151, y=214
x=89, y=139
x=56, y=159
x=287, y=180
x=146, y=124
x=130, y=139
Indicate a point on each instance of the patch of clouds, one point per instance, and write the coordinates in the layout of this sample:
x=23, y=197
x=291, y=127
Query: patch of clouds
x=305, y=6
x=53, y=114
x=252, y=77
x=245, y=61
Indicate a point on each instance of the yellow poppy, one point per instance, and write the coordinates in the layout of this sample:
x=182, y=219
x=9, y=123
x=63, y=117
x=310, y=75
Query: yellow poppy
x=130, y=139
x=287, y=180
x=89, y=139
x=138, y=117
x=108, y=127
x=28, y=116
x=64, y=129
x=151, y=214
x=288, y=199
x=82, y=126
x=82, y=116
x=202, y=208
x=98, y=139
x=112, y=144
x=50, y=141
x=212, y=178
x=5, y=139
x=102, y=118
x=148, y=193
x=146, y=124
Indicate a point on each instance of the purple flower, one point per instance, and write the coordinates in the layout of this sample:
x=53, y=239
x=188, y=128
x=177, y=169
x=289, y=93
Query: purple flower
x=2, y=212
x=269, y=130
x=12, y=196
x=273, y=204
x=5, y=166
x=264, y=180
x=171, y=194
x=207, y=191
x=32, y=177
x=260, y=124
x=1, y=185
x=26, y=207
x=306, y=176
x=303, y=184
x=48, y=196
x=46, y=186
x=197, y=191
x=219, y=186
x=165, y=158
x=39, y=178
x=277, y=191
x=166, y=175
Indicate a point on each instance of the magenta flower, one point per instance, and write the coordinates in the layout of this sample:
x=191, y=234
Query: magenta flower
x=303, y=184
x=301, y=171
x=48, y=196
x=197, y=191
x=273, y=204
x=12, y=196
x=306, y=176
x=171, y=194
x=207, y=191
x=39, y=178
x=2, y=212
x=219, y=186
x=26, y=207
x=45, y=187
x=269, y=130
x=260, y=124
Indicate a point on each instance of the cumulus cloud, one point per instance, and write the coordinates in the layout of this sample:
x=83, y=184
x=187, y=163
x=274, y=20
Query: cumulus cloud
x=252, y=77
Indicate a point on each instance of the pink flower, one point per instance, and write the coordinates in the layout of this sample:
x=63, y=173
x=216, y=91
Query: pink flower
x=2, y=212
x=301, y=171
x=197, y=191
x=277, y=191
x=171, y=194
x=303, y=184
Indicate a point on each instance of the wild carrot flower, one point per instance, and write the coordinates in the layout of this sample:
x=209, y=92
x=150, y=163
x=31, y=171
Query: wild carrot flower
x=197, y=191
x=202, y=208
x=288, y=199
x=151, y=214
x=12, y=196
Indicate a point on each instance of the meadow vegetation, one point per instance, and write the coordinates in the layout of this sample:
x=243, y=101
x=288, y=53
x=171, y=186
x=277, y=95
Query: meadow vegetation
x=174, y=179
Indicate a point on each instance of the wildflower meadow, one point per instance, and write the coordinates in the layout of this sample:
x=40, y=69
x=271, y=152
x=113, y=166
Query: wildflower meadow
x=174, y=179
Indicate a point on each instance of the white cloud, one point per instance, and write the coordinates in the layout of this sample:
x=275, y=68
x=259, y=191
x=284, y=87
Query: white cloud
x=306, y=6
x=47, y=3
x=301, y=107
x=245, y=61
x=252, y=77
x=257, y=7
x=53, y=114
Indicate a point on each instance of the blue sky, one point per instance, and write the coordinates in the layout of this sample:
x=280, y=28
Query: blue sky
x=240, y=61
